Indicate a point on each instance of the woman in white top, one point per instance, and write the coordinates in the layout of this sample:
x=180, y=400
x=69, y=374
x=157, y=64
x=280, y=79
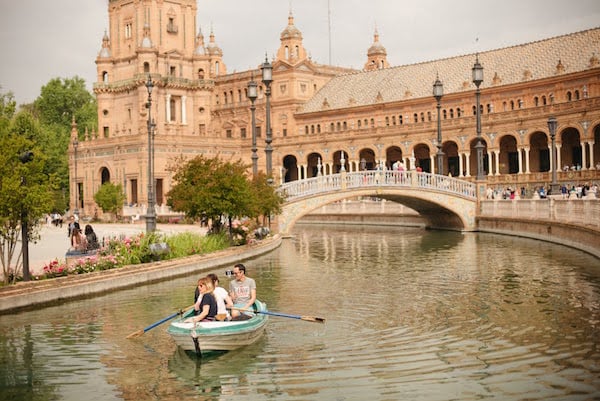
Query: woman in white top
x=223, y=299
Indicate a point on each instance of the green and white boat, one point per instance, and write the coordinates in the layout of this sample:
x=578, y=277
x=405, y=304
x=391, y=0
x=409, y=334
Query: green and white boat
x=204, y=337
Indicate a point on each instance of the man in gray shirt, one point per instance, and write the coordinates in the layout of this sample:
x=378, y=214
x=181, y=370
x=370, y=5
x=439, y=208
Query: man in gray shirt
x=242, y=290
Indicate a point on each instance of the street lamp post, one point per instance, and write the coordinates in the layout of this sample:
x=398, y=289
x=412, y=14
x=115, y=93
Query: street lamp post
x=552, y=124
x=151, y=212
x=25, y=157
x=252, y=95
x=267, y=78
x=477, y=80
x=75, y=146
x=438, y=92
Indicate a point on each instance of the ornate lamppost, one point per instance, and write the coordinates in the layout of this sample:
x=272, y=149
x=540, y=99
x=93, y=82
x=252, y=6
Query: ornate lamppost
x=25, y=157
x=75, y=146
x=477, y=80
x=252, y=95
x=552, y=124
x=267, y=78
x=151, y=212
x=438, y=92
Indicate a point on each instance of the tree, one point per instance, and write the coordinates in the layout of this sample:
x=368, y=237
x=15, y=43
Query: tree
x=62, y=100
x=25, y=192
x=212, y=188
x=267, y=200
x=110, y=198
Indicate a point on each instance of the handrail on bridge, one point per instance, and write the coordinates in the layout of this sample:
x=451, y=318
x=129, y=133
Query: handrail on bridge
x=373, y=178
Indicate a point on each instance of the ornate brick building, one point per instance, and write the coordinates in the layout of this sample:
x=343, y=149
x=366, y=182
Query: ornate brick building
x=322, y=116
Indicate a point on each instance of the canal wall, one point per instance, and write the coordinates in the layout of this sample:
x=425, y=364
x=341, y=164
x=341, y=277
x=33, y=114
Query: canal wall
x=581, y=237
x=25, y=295
x=568, y=221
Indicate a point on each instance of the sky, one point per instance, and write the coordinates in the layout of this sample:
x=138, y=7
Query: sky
x=41, y=39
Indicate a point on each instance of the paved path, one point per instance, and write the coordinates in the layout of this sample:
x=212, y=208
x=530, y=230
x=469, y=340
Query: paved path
x=54, y=242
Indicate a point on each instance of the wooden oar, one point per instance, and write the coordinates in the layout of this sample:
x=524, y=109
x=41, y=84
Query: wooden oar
x=153, y=325
x=305, y=318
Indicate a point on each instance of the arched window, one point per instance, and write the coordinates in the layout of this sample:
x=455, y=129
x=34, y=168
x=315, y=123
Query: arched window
x=393, y=120
x=536, y=101
x=312, y=129
x=306, y=129
x=217, y=68
x=344, y=126
x=358, y=123
x=200, y=73
x=576, y=95
x=474, y=110
x=444, y=114
x=400, y=120
x=318, y=128
x=331, y=127
x=416, y=117
x=512, y=104
x=544, y=100
x=105, y=77
x=146, y=67
x=458, y=112
x=429, y=116
x=451, y=113
x=387, y=121
x=372, y=123
x=569, y=96
x=422, y=117
x=338, y=126
x=286, y=52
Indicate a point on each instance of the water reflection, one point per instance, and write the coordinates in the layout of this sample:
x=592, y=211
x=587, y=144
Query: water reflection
x=411, y=314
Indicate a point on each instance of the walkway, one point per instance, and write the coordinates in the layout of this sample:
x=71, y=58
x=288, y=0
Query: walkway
x=54, y=242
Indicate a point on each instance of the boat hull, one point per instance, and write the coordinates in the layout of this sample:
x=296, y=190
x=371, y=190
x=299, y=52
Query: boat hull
x=218, y=336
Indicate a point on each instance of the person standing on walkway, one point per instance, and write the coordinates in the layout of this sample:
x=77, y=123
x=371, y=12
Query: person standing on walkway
x=242, y=290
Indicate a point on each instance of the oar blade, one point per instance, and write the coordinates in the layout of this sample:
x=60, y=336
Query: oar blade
x=313, y=319
x=136, y=334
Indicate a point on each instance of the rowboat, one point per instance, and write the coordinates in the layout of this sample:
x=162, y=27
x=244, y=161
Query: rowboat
x=215, y=336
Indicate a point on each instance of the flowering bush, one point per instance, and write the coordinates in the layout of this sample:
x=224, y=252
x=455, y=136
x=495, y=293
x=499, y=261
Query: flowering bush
x=240, y=231
x=121, y=251
x=95, y=262
x=55, y=269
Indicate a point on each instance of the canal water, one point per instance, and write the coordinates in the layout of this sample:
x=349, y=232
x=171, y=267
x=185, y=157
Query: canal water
x=410, y=315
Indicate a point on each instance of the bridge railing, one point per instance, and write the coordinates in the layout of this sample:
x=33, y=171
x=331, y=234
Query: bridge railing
x=582, y=212
x=373, y=178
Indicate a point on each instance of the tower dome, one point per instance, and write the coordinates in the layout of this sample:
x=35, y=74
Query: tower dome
x=376, y=55
x=290, y=31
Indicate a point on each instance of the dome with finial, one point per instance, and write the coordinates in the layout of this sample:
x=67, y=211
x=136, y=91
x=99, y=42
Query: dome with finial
x=199, y=44
x=146, y=42
x=212, y=47
x=290, y=31
x=376, y=48
x=105, y=51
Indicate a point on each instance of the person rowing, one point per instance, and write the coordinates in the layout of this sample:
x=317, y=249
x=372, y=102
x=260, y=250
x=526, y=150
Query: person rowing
x=242, y=291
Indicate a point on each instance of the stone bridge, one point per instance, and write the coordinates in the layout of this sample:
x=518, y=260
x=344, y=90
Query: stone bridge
x=444, y=202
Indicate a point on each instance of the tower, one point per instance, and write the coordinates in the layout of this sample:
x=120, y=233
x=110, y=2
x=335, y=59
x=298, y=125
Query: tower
x=376, y=55
x=154, y=39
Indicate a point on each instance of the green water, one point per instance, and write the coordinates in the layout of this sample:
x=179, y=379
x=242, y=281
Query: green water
x=410, y=315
